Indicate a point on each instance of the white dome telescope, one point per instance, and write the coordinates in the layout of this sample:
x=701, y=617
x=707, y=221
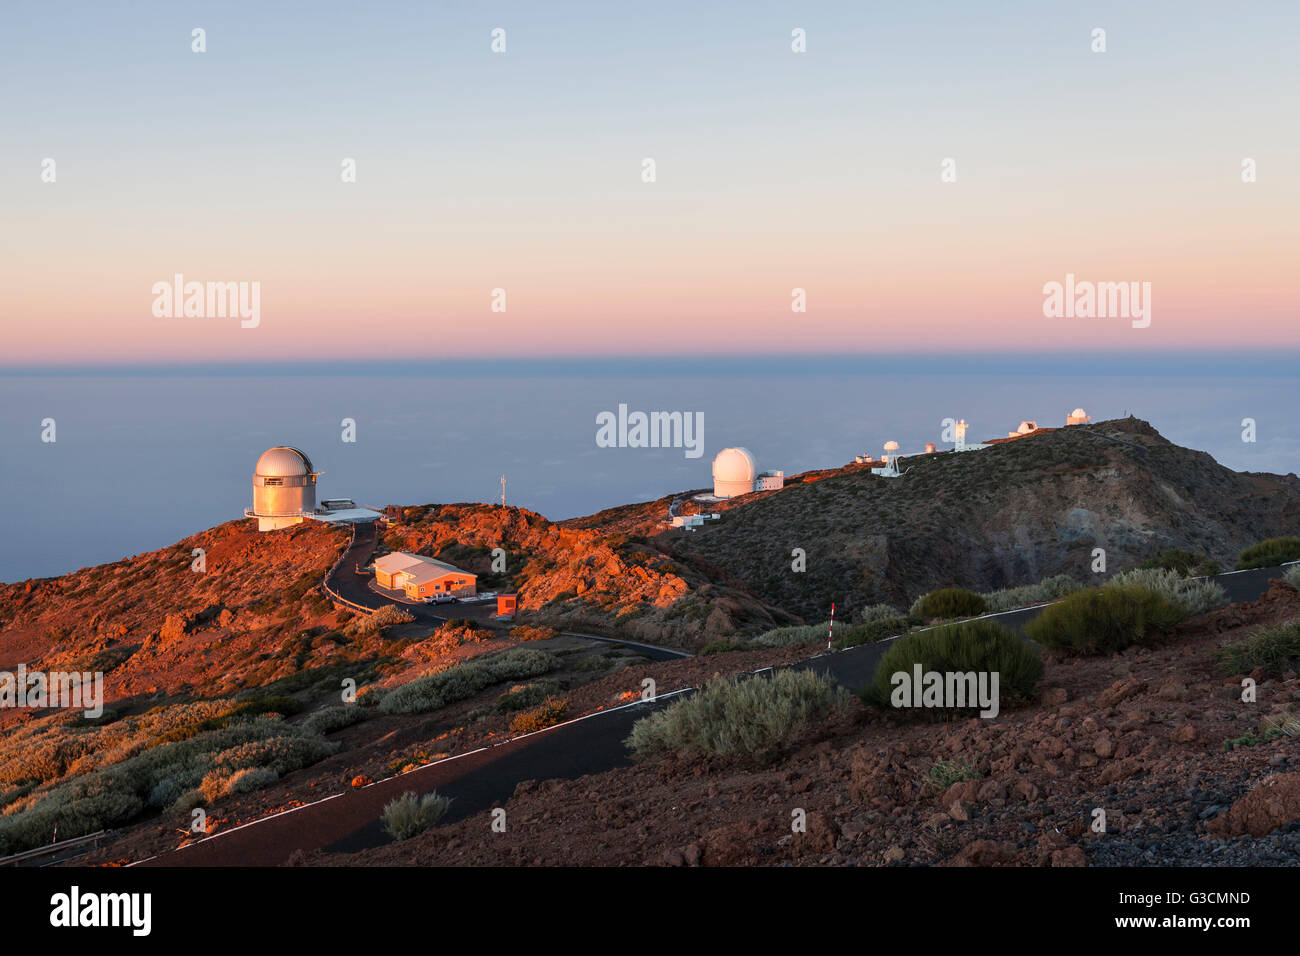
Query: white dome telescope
x=284, y=488
x=734, y=471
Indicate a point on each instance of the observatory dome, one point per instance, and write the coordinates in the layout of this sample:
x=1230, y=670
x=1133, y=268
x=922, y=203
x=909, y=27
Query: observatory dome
x=284, y=488
x=891, y=446
x=734, y=471
x=282, y=461
x=1077, y=417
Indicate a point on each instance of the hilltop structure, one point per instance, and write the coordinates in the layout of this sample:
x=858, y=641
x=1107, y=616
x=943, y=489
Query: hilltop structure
x=420, y=577
x=735, y=472
x=284, y=493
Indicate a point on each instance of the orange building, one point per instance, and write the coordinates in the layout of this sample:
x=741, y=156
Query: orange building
x=420, y=577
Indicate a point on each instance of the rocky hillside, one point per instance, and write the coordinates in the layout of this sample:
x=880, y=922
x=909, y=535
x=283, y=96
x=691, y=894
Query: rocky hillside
x=1158, y=738
x=1005, y=515
x=157, y=626
x=598, y=581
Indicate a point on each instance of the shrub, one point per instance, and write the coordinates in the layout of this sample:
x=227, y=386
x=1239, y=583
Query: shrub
x=1275, y=648
x=1269, y=553
x=250, y=779
x=283, y=705
x=1186, y=563
x=410, y=814
x=522, y=696
x=547, y=714
x=1048, y=589
x=978, y=646
x=465, y=680
x=722, y=647
x=796, y=634
x=948, y=603
x=878, y=630
x=880, y=612
x=947, y=772
x=1194, y=596
x=386, y=616
x=1104, y=620
x=1292, y=576
x=749, y=719
x=528, y=632
x=330, y=719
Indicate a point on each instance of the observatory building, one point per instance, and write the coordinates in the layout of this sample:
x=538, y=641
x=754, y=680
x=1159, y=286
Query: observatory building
x=284, y=488
x=1078, y=417
x=736, y=473
x=284, y=493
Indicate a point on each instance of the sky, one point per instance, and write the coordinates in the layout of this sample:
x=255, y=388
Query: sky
x=523, y=171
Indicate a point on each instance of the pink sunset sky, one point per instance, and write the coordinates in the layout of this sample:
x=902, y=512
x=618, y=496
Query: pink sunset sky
x=523, y=171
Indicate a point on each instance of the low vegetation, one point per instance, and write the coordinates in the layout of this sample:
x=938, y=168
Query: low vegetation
x=546, y=714
x=873, y=631
x=971, y=646
x=795, y=634
x=1269, y=553
x=465, y=680
x=410, y=814
x=1195, y=596
x=880, y=612
x=947, y=603
x=1292, y=576
x=1186, y=563
x=747, y=719
x=1275, y=649
x=1048, y=589
x=386, y=616
x=1105, y=620
x=83, y=776
x=947, y=772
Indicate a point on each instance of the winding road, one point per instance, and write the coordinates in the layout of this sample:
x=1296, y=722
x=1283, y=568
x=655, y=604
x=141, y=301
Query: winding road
x=479, y=779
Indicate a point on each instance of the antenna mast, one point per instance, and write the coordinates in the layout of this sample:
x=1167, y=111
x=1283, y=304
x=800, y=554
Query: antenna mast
x=503, y=491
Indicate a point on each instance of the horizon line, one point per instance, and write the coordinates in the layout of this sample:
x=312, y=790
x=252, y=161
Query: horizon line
x=1191, y=361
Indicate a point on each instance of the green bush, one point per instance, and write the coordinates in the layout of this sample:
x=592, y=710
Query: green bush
x=1292, y=576
x=1275, y=648
x=329, y=719
x=971, y=646
x=947, y=772
x=750, y=719
x=1270, y=553
x=880, y=612
x=722, y=647
x=878, y=630
x=465, y=680
x=1195, y=596
x=1048, y=589
x=948, y=603
x=1104, y=620
x=410, y=814
x=1186, y=563
x=795, y=634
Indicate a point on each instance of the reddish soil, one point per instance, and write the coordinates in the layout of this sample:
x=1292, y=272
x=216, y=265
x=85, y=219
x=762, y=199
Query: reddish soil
x=1139, y=735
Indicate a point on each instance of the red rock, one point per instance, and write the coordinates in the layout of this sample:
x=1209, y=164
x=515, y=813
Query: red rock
x=1070, y=856
x=1272, y=803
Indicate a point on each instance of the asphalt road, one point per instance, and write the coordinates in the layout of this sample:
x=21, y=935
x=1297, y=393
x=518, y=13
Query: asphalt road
x=477, y=780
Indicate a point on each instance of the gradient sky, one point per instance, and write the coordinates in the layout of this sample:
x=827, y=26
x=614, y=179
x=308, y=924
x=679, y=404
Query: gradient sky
x=775, y=170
